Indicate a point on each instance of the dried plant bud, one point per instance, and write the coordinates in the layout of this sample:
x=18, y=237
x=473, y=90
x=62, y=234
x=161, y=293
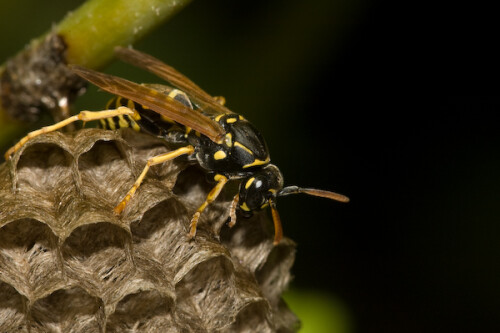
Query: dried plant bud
x=67, y=263
x=37, y=80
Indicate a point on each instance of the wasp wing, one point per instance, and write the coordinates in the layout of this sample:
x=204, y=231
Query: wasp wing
x=155, y=100
x=142, y=60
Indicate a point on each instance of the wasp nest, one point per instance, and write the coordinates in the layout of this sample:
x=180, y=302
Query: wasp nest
x=37, y=80
x=68, y=264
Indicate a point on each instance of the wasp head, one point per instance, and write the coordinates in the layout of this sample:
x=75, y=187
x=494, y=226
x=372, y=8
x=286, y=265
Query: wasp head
x=259, y=188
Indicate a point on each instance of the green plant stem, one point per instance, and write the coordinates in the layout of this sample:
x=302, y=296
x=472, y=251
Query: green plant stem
x=93, y=30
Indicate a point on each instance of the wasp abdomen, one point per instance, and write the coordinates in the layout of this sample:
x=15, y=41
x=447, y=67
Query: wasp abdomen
x=122, y=121
x=145, y=119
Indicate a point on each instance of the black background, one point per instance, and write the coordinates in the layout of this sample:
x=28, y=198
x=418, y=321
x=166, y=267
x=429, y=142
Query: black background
x=392, y=103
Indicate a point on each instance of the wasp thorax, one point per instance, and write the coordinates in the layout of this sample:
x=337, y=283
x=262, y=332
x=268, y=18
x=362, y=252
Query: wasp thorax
x=248, y=147
x=242, y=148
x=257, y=189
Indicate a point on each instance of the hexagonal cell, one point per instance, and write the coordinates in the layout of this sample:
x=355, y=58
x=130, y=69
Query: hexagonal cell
x=43, y=167
x=163, y=232
x=145, y=146
x=192, y=186
x=208, y=292
x=104, y=172
x=29, y=259
x=250, y=240
x=67, y=310
x=12, y=309
x=98, y=257
x=90, y=240
x=159, y=224
x=144, y=311
x=252, y=318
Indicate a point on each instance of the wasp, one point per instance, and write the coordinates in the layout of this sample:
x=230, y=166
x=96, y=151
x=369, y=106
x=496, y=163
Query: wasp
x=223, y=143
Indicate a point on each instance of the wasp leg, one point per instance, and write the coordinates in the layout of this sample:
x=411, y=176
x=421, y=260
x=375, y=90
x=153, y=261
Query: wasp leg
x=83, y=115
x=278, y=229
x=214, y=193
x=232, y=211
x=151, y=161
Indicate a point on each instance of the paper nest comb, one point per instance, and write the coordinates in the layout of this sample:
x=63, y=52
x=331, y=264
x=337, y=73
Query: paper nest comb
x=68, y=264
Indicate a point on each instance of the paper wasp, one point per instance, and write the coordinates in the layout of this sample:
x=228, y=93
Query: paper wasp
x=223, y=143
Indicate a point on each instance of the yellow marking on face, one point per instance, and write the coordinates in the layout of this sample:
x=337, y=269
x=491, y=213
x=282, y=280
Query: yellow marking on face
x=228, y=140
x=245, y=207
x=249, y=182
x=111, y=123
x=122, y=122
x=231, y=120
x=219, y=155
x=257, y=162
x=237, y=144
x=218, y=117
x=241, y=117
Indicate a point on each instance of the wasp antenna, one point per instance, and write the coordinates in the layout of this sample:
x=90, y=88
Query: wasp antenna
x=314, y=192
x=278, y=229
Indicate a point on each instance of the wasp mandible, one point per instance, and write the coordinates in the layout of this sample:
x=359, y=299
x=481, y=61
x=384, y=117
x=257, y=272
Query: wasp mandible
x=223, y=143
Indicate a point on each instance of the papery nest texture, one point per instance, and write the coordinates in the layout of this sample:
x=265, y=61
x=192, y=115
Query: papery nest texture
x=68, y=264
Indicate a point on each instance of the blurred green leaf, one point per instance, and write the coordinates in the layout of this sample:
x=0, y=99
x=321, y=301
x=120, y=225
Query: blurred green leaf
x=319, y=312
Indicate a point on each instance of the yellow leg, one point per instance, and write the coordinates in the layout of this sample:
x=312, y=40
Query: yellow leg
x=152, y=161
x=214, y=193
x=278, y=230
x=232, y=211
x=83, y=115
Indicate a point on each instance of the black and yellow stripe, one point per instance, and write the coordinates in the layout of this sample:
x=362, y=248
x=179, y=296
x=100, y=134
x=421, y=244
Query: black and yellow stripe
x=143, y=119
x=122, y=121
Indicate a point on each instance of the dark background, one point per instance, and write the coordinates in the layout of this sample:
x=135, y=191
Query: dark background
x=392, y=103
